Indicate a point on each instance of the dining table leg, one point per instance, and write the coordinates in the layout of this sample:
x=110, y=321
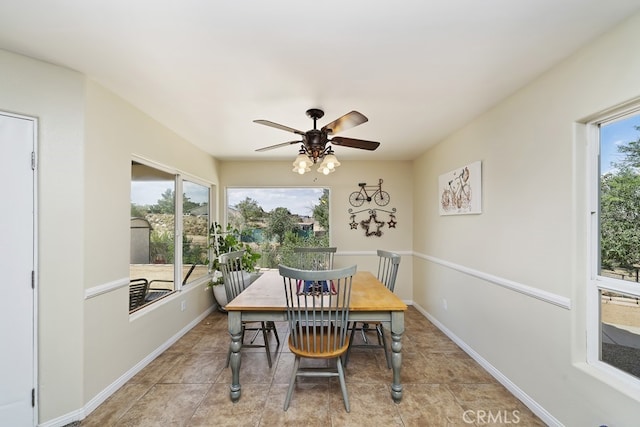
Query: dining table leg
x=397, y=329
x=235, y=331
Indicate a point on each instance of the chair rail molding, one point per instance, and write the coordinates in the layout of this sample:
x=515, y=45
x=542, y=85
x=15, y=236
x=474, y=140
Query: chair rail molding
x=371, y=253
x=105, y=288
x=530, y=291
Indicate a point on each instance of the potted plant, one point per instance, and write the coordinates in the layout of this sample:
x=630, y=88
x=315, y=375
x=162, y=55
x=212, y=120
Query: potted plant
x=224, y=241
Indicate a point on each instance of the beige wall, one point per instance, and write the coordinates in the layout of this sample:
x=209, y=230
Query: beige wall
x=531, y=234
x=353, y=246
x=55, y=96
x=114, y=132
x=86, y=341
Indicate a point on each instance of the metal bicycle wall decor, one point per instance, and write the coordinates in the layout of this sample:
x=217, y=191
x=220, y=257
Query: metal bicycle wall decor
x=368, y=193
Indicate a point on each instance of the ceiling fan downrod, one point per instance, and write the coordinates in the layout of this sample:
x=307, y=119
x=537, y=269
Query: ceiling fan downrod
x=315, y=114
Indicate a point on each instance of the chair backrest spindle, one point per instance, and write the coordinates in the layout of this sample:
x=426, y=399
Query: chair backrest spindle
x=388, y=263
x=314, y=258
x=137, y=291
x=235, y=279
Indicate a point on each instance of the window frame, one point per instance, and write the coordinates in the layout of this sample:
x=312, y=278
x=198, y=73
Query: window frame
x=179, y=177
x=194, y=180
x=596, y=282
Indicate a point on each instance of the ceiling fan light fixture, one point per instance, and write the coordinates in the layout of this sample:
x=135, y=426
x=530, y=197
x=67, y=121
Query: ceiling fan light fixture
x=329, y=163
x=302, y=163
x=325, y=170
x=301, y=171
x=331, y=160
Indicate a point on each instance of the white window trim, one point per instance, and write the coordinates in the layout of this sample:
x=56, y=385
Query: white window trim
x=179, y=176
x=612, y=375
x=184, y=176
x=177, y=234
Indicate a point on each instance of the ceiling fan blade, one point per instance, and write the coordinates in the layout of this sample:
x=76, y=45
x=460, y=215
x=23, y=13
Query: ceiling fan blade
x=347, y=121
x=284, y=144
x=278, y=126
x=355, y=143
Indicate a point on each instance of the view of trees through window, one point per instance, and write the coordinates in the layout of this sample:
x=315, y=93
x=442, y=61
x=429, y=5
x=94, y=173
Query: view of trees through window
x=619, y=244
x=275, y=220
x=620, y=198
x=153, y=225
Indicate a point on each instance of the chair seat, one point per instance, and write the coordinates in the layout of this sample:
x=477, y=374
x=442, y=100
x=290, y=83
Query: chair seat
x=154, y=294
x=318, y=343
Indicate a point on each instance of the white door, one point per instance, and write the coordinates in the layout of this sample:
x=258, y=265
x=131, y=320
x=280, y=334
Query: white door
x=17, y=264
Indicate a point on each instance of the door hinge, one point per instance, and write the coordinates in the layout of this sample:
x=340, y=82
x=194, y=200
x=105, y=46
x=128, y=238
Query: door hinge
x=33, y=279
x=33, y=397
x=33, y=160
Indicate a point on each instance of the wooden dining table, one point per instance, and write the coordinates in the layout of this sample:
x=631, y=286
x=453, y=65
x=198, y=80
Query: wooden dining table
x=264, y=300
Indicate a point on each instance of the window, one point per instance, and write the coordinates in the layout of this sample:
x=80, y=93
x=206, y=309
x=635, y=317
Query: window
x=275, y=220
x=615, y=283
x=156, y=219
x=195, y=226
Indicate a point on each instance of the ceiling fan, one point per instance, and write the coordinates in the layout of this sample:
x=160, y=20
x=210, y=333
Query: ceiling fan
x=314, y=142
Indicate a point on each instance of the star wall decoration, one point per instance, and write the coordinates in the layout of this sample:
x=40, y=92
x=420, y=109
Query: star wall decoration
x=366, y=224
x=353, y=223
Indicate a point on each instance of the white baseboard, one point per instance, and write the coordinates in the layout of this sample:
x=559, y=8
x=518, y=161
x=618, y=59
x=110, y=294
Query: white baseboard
x=537, y=409
x=65, y=419
x=106, y=393
x=101, y=397
x=91, y=405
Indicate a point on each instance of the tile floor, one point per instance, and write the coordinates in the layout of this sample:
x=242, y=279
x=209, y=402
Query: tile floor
x=188, y=385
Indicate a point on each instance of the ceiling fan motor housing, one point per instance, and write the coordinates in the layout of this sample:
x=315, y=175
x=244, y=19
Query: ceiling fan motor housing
x=315, y=142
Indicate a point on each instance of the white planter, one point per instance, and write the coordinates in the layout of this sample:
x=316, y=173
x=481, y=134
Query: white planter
x=220, y=293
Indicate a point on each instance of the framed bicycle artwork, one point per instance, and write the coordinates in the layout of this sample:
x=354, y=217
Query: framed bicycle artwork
x=460, y=190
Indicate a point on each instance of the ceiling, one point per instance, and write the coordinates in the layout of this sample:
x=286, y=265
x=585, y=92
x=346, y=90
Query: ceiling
x=418, y=69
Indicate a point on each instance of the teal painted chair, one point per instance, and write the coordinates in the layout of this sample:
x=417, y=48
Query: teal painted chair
x=235, y=281
x=318, y=313
x=388, y=264
x=314, y=258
